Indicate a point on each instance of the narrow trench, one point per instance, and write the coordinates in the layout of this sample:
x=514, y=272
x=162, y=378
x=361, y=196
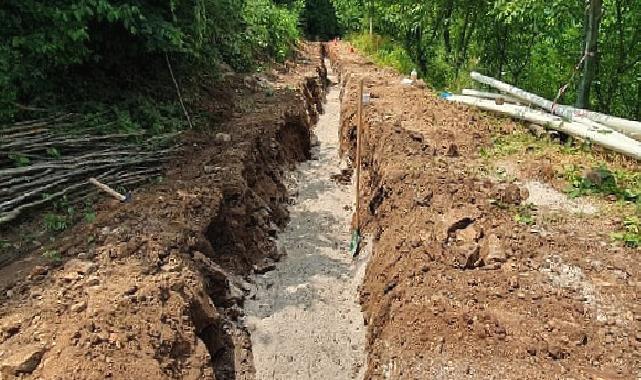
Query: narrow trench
x=240, y=239
x=304, y=317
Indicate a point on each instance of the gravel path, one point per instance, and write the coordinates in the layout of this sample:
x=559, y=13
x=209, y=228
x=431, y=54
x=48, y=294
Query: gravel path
x=305, y=319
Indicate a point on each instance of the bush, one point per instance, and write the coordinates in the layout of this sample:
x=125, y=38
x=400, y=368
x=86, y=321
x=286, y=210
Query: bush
x=70, y=52
x=272, y=30
x=319, y=18
x=384, y=51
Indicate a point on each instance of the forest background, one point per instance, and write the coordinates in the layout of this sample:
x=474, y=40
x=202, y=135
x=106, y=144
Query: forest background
x=109, y=57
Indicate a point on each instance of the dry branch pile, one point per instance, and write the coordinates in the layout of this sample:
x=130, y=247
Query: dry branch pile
x=42, y=160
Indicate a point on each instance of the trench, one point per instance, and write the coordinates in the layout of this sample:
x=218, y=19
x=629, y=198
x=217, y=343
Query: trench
x=304, y=317
x=241, y=240
x=281, y=288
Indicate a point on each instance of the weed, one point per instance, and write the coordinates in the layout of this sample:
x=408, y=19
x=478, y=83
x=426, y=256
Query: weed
x=56, y=222
x=384, y=52
x=623, y=184
x=52, y=254
x=90, y=216
x=19, y=160
x=526, y=214
x=632, y=234
x=512, y=144
x=53, y=153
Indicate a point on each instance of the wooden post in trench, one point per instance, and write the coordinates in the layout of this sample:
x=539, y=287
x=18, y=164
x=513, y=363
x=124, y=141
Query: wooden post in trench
x=359, y=131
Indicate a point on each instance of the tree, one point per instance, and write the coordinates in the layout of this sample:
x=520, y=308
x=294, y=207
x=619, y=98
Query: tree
x=593, y=16
x=534, y=44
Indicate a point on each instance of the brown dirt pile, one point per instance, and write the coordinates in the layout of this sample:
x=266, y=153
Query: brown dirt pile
x=154, y=289
x=456, y=288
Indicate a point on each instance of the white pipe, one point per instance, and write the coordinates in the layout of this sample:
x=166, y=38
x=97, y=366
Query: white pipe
x=491, y=95
x=603, y=136
x=628, y=127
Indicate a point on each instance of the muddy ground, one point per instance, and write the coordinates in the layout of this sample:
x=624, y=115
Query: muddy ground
x=154, y=289
x=456, y=287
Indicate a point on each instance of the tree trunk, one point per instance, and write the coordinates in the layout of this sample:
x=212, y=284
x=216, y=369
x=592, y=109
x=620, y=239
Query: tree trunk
x=463, y=41
x=638, y=110
x=449, y=11
x=593, y=14
x=371, y=15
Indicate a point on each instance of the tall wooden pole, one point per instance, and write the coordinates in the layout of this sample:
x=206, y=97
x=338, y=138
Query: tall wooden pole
x=359, y=129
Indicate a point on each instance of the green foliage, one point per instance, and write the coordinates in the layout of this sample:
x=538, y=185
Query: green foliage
x=56, y=222
x=61, y=217
x=89, y=56
x=526, y=214
x=631, y=236
x=19, y=159
x=90, y=216
x=53, y=152
x=349, y=14
x=272, y=30
x=53, y=255
x=623, y=184
x=319, y=18
x=533, y=44
x=383, y=51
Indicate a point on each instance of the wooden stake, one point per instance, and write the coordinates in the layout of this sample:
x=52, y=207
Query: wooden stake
x=108, y=190
x=359, y=128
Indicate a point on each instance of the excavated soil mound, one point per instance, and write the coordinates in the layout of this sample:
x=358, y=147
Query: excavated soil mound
x=456, y=288
x=154, y=289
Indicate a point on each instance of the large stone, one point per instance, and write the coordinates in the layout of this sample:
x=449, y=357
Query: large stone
x=22, y=360
x=9, y=326
x=453, y=220
x=491, y=250
x=468, y=235
x=470, y=257
x=512, y=194
x=222, y=137
x=83, y=267
x=78, y=307
x=39, y=270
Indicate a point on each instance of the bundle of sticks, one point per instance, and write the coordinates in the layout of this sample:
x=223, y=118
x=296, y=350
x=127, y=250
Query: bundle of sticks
x=47, y=159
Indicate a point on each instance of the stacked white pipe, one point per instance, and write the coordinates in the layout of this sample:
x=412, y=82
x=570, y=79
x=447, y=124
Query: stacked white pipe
x=614, y=133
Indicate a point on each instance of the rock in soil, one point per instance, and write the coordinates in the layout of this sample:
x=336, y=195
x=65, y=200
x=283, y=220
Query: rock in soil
x=23, y=360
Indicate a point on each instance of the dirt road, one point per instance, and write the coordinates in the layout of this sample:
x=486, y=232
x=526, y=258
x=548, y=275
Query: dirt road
x=304, y=317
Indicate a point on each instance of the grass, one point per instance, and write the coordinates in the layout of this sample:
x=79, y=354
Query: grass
x=52, y=254
x=521, y=142
x=526, y=214
x=623, y=184
x=631, y=234
x=383, y=51
x=583, y=170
